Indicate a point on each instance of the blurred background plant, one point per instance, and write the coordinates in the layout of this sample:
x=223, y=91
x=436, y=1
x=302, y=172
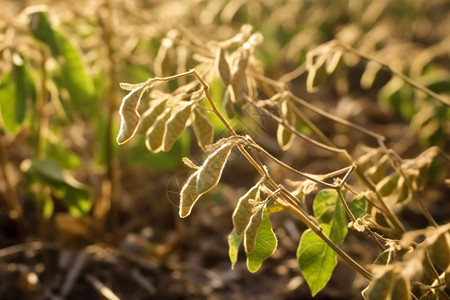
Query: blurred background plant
x=64, y=179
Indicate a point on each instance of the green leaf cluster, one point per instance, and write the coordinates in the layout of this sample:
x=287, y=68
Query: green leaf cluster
x=316, y=259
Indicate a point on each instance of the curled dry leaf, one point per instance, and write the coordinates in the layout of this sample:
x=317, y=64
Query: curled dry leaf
x=130, y=86
x=388, y=184
x=129, y=115
x=332, y=61
x=155, y=134
x=285, y=138
x=369, y=75
x=389, y=283
x=148, y=118
x=189, y=163
x=377, y=171
x=238, y=77
x=222, y=66
x=175, y=124
x=227, y=102
x=204, y=179
x=244, y=210
x=203, y=129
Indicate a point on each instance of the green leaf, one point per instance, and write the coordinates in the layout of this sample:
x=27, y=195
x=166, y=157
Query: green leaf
x=358, y=207
x=7, y=107
x=65, y=158
x=42, y=30
x=329, y=210
x=316, y=259
x=76, y=196
x=72, y=75
x=265, y=244
x=16, y=89
x=22, y=88
x=234, y=241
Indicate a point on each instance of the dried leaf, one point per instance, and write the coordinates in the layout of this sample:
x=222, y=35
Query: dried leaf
x=189, y=163
x=203, y=129
x=148, y=118
x=204, y=179
x=222, y=66
x=285, y=137
x=129, y=115
x=440, y=252
x=315, y=64
x=131, y=86
x=369, y=75
x=155, y=134
x=377, y=171
x=176, y=124
x=238, y=78
x=332, y=61
x=401, y=289
x=227, y=102
x=316, y=76
x=234, y=241
x=388, y=184
x=244, y=210
x=389, y=283
x=403, y=190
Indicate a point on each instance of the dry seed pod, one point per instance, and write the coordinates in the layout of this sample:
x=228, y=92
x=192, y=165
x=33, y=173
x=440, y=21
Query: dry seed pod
x=149, y=117
x=252, y=230
x=176, y=124
x=204, y=179
x=244, y=210
x=203, y=129
x=155, y=134
x=222, y=66
x=285, y=137
x=129, y=115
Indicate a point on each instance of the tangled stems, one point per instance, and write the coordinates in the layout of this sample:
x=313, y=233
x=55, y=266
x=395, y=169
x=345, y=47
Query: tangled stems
x=288, y=201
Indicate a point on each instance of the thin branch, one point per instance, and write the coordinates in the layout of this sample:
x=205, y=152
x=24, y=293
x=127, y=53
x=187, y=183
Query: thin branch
x=397, y=73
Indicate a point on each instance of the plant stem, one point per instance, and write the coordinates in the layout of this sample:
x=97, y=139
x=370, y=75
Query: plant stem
x=11, y=199
x=285, y=194
x=326, y=144
x=289, y=201
x=397, y=73
x=111, y=184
